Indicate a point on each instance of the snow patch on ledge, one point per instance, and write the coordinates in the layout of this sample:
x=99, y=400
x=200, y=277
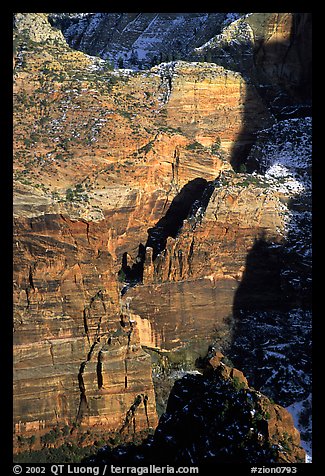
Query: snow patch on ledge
x=283, y=156
x=297, y=409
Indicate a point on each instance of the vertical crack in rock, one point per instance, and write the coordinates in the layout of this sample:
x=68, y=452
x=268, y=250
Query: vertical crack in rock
x=175, y=167
x=99, y=370
x=86, y=313
x=180, y=262
x=30, y=277
x=145, y=403
x=83, y=404
x=125, y=361
x=127, y=354
x=30, y=286
x=27, y=298
x=190, y=256
x=91, y=350
x=87, y=231
x=170, y=266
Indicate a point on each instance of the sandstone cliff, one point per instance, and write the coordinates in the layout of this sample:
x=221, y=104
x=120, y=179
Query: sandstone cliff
x=131, y=227
x=274, y=51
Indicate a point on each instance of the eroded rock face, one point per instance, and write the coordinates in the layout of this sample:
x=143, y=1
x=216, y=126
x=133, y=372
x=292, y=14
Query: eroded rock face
x=75, y=361
x=139, y=40
x=274, y=50
x=100, y=159
x=213, y=106
x=203, y=267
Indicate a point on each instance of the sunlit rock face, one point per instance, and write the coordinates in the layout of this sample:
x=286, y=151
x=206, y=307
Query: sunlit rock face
x=274, y=51
x=75, y=360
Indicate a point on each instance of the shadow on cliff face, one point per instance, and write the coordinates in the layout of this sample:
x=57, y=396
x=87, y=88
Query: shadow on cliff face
x=212, y=418
x=285, y=67
x=272, y=305
x=273, y=279
x=182, y=206
x=192, y=198
x=280, y=70
x=272, y=314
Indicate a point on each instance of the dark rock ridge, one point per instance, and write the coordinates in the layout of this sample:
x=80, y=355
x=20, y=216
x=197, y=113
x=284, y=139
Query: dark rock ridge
x=215, y=417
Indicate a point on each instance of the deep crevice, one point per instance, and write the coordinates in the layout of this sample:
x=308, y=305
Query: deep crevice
x=83, y=404
x=99, y=370
x=184, y=205
x=130, y=415
x=85, y=321
x=145, y=403
x=190, y=203
x=30, y=277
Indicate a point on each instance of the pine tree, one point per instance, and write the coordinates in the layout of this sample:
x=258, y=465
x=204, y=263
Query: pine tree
x=120, y=63
x=154, y=61
x=208, y=57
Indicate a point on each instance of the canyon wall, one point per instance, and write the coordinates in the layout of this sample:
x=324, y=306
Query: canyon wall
x=193, y=281
x=139, y=40
x=75, y=361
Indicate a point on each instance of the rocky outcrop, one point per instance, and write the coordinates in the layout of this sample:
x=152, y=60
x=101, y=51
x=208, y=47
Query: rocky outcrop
x=203, y=266
x=37, y=28
x=230, y=422
x=215, y=107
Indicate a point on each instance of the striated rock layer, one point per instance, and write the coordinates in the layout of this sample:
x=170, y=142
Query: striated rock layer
x=75, y=359
x=229, y=422
x=193, y=281
x=274, y=50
